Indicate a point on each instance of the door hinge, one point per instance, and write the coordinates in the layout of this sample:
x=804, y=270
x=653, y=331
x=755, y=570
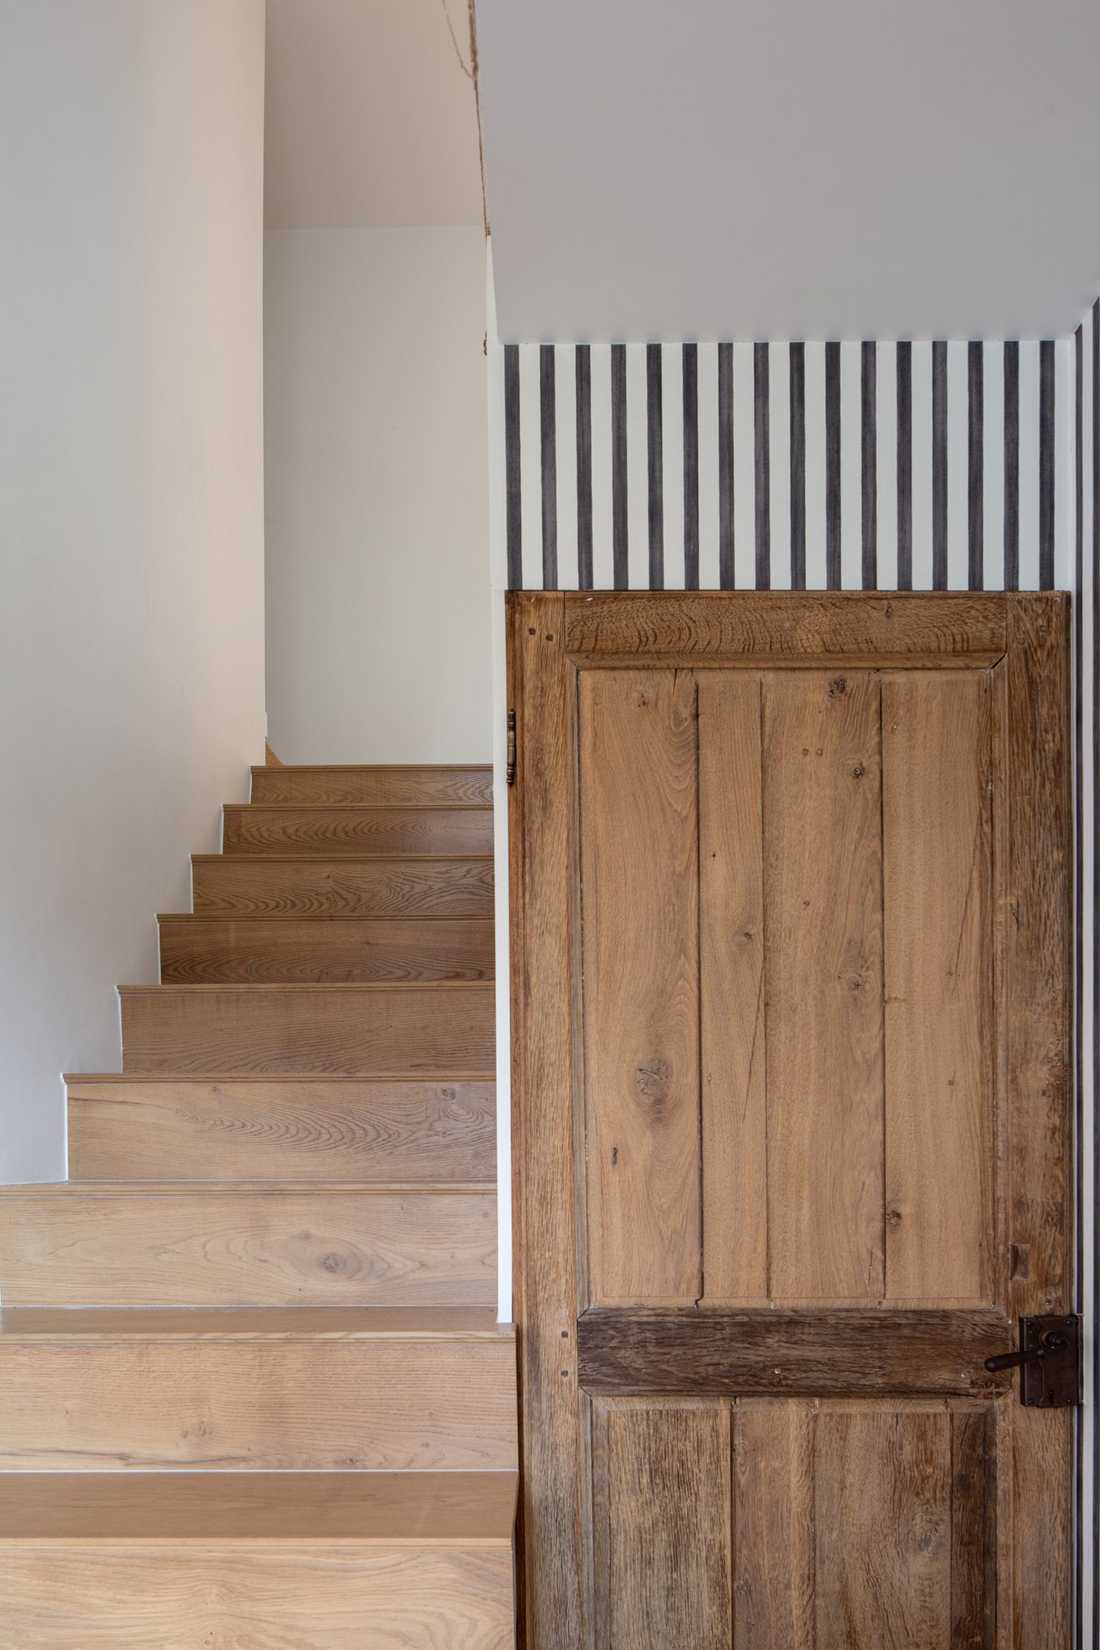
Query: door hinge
x=510, y=749
x=1049, y=1361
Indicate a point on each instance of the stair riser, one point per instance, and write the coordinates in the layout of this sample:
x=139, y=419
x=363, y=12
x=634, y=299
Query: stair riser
x=326, y=1404
x=258, y=829
x=222, y=1595
x=243, y=951
x=344, y=1029
x=312, y=1130
x=75, y=1248
x=325, y=887
x=389, y=787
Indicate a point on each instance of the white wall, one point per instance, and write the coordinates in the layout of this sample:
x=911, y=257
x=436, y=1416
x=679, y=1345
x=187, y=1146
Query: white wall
x=377, y=517
x=131, y=548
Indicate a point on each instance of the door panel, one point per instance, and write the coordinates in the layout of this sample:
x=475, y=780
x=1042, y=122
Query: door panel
x=790, y=1008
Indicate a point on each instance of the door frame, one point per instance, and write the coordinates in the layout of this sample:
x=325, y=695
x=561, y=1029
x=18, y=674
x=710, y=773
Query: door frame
x=550, y=637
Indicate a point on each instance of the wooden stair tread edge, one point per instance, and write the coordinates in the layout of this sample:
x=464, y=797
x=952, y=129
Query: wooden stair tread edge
x=313, y=860
x=247, y=1188
x=314, y=985
x=377, y=767
x=127, y=1325
x=423, y=1508
x=358, y=807
x=288, y=917
x=214, y=1078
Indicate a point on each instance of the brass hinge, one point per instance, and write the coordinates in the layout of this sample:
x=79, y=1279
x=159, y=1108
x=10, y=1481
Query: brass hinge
x=510, y=749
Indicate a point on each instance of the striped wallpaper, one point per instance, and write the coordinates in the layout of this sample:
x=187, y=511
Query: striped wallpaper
x=889, y=465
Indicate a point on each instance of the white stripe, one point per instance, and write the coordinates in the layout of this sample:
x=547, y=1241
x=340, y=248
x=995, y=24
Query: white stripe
x=851, y=470
x=530, y=450
x=637, y=471
x=672, y=423
x=886, y=462
x=744, y=482
x=708, y=467
x=1064, y=465
x=1029, y=465
x=993, y=469
x=958, y=465
x=565, y=425
x=498, y=474
x=922, y=465
x=603, y=556
x=815, y=466
x=779, y=463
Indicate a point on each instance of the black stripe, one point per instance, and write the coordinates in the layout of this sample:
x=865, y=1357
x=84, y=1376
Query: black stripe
x=762, y=466
x=832, y=466
x=905, y=465
x=868, y=416
x=1078, y=885
x=726, y=576
x=654, y=402
x=1046, y=464
x=939, y=465
x=975, y=523
x=620, y=560
x=584, y=466
x=514, y=511
x=1012, y=465
x=548, y=417
x=691, y=465
x=798, y=466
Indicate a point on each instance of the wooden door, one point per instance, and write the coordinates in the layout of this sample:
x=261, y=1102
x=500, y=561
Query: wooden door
x=792, y=1147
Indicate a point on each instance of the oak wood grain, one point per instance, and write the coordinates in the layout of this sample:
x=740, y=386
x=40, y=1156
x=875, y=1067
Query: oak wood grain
x=773, y=1523
x=301, y=828
x=668, y=1511
x=387, y=1403
x=793, y=625
x=732, y=1030
x=199, y=1246
x=868, y=1351
x=395, y=785
x=823, y=982
x=640, y=894
x=938, y=986
x=200, y=950
x=288, y=1129
x=298, y=1028
x=203, y=1594
x=382, y=885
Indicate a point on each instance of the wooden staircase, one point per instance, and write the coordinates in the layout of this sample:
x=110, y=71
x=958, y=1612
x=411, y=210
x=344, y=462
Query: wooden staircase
x=255, y=1396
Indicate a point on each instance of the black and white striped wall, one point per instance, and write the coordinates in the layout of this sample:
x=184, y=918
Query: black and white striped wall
x=923, y=465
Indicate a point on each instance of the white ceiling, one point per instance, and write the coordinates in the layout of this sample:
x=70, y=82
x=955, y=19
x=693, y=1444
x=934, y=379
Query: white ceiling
x=791, y=168
x=370, y=119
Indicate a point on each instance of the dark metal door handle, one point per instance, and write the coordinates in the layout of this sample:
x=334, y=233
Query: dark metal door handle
x=1049, y=1361
x=1050, y=1343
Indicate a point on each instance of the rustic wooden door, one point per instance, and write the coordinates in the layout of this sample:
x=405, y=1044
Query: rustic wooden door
x=792, y=1143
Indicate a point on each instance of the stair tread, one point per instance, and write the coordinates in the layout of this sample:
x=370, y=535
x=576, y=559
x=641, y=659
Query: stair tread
x=312, y=860
x=206, y=1078
x=250, y=1188
x=379, y=767
x=461, y=1509
x=253, y=1323
x=319, y=917
x=358, y=807
x=315, y=985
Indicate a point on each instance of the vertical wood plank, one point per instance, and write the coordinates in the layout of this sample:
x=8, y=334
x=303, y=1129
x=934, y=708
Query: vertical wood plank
x=823, y=982
x=731, y=948
x=668, y=1488
x=543, y=871
x=1037, y=1034
x=883, y=1528
x=640, y=917
x=773, y=1524
x=973, y=1530
x=938, y=969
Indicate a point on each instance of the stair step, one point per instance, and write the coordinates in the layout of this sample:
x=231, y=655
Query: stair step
x=298, y=1028
x=264, y=1245
x=185, y=1561
x=354, y=885
x=314, y=949
x=292, y=1129
x=302, y=828
x=391, y=785
x=311, y=1388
